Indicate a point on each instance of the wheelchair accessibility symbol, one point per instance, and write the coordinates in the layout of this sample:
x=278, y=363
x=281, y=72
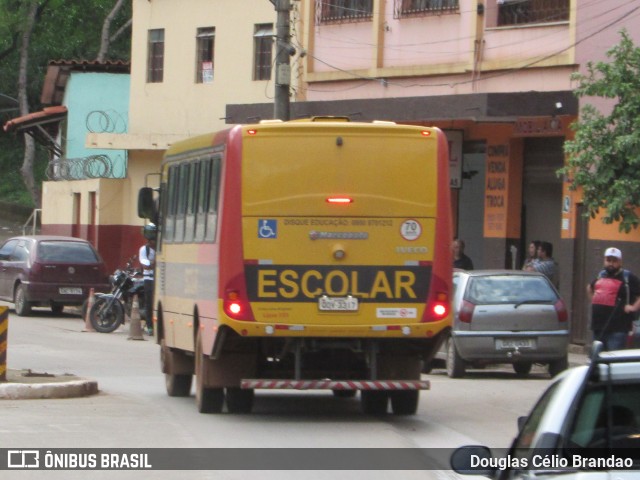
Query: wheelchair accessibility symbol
x=267, y=228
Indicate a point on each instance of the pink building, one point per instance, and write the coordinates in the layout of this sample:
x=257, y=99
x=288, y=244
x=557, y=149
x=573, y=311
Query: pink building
x=495, y=75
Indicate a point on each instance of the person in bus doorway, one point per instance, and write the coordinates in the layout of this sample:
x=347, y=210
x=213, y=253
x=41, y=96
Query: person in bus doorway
x=615, y=297
x=460, y=260
x=532, y=254
x=147, y=258
x=545, y=263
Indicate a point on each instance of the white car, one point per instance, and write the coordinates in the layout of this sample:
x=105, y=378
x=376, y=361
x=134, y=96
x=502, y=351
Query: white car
x=585, y=426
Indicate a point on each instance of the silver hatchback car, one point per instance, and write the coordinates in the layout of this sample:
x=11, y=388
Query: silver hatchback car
x=507, y=316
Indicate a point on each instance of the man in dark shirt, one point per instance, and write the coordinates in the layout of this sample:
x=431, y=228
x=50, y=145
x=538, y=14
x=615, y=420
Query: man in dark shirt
x=615, y=296
x=460, y=260
x=545, y=263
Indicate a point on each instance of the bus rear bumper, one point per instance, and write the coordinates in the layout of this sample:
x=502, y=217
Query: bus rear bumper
x=292, y=384
x=410, y=330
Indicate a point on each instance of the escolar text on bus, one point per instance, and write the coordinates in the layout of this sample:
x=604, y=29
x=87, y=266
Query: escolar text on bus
x=305, y=283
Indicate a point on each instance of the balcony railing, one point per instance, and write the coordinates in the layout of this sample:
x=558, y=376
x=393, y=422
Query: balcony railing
x=522, y=12
x=415, y=8
x=342, y=11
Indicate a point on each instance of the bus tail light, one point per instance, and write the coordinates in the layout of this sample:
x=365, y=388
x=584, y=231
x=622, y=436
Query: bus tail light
x=439, y=308
x=235, y=307
x=438, y=303
x=466, y=312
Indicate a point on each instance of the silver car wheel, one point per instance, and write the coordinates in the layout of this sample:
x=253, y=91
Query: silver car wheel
x=455, y=363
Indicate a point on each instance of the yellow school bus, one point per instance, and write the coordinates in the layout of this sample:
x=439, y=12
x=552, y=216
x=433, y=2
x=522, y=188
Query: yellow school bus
x=310, y=254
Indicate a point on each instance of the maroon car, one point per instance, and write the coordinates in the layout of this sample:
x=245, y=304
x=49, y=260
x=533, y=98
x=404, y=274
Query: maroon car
x=49, y=271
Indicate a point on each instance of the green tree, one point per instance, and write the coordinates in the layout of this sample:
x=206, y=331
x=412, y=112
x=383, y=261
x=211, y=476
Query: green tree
x=32, y=33
x=604, y=157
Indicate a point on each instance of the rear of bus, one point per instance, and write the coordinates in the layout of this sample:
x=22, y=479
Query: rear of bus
x=345, y=235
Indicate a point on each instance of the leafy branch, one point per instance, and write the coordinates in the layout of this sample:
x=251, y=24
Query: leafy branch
x=604, y=156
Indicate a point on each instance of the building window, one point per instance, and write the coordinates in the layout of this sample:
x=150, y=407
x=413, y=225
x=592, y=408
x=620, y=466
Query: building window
x=205, y=43
x=262, y=51
x=519, y=12
x=155, y=61
x=339, y=11
x=413, y=8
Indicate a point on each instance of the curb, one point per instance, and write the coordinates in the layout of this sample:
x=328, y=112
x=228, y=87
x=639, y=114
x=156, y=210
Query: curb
x=40, y=386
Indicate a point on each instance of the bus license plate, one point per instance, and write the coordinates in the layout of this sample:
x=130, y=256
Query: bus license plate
x=507, y=343
x=70, y=291
x=338, y=304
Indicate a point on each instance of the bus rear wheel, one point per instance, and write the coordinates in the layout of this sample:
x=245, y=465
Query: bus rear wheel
x=176, y=384
x=374, y=402
x=239, y=400
x=405, y=402
x=208, y=400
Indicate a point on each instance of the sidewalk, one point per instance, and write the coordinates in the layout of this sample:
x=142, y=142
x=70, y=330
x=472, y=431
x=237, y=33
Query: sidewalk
x=578, y=355
x=25, y=384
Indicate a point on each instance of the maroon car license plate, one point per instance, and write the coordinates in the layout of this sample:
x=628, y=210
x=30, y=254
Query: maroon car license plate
x=70, y=291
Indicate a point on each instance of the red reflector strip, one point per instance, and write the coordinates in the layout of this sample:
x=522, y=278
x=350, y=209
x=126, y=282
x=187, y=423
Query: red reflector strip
x=289, y=327
x=275, y=384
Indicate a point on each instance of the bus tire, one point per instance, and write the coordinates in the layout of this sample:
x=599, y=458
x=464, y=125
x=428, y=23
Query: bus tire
x=176, y=384
x=239, y=400
x=405, y=402
x=374, y=402
x=208, y=400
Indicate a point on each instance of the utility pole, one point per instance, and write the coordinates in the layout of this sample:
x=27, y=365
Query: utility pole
x=284, y=50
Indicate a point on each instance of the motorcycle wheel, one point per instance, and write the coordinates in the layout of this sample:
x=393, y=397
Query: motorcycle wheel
x=106, y=315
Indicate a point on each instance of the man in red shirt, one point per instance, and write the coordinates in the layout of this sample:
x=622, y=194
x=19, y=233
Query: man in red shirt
x=615, y=297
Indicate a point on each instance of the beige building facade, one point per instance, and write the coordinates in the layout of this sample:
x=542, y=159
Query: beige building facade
x=187, y=64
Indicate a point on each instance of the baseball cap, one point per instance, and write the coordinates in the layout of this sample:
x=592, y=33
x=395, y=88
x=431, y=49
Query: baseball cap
x=613, y=252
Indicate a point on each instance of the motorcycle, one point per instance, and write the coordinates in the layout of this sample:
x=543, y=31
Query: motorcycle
x=109, y=309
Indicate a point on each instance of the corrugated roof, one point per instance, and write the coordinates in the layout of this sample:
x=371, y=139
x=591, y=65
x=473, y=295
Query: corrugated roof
x=48, y=115
x=93, y=65
x=58, y=71
x=42, y=126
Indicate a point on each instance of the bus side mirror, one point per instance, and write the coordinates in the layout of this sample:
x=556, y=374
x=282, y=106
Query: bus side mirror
x=146, y=204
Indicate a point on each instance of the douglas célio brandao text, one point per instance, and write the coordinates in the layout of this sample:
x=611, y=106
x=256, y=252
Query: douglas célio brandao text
x=551, y=461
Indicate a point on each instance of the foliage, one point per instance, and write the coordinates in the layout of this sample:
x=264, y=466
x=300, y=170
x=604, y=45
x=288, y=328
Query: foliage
x=604, y=157
x=64, y=30
x=12, y=189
